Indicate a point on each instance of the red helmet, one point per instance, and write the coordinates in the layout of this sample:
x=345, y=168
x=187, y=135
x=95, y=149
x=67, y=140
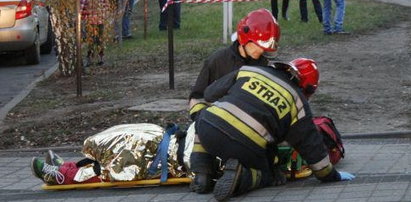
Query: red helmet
x=307, y=73
x=261, y=28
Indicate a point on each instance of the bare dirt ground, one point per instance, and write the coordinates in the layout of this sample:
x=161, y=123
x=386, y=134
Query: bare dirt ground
x=365, y=87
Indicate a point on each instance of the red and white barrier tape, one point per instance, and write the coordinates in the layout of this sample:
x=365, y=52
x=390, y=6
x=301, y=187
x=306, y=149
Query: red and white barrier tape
x=200, y=1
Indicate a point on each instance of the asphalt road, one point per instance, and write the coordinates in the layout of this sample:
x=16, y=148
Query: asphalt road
x=15, y=76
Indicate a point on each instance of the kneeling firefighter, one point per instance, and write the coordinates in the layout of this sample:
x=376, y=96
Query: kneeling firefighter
x=252, y=109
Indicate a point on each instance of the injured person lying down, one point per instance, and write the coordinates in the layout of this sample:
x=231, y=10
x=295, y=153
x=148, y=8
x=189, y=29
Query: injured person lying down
x=127, y=152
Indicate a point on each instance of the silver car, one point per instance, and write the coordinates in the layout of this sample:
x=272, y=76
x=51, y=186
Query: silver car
x=25, y=26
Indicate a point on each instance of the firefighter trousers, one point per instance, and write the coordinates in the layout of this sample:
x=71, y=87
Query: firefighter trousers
x=211, y=142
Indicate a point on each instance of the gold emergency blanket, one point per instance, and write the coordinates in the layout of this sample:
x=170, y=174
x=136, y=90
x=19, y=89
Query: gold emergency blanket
x=125, y=152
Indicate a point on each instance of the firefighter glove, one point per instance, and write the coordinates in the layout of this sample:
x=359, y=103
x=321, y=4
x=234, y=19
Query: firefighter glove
x=346, y=176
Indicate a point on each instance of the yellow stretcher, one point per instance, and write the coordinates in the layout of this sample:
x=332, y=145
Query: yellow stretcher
x=138, y=183
x=305, y=172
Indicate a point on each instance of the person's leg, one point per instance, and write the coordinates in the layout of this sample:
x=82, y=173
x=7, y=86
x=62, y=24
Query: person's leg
x=88, y=39
x=126, y=19
x=100, y=44
x=274, y=8
x=284, y=10
x=62, y=174
x=303, y=10
x=318, y=10
x=69, y=171
x=327, y=17
x=203, y=165
x=163, y=15
x=245, y=168
x=339, y=15
x=177, y=15
x=125, y=24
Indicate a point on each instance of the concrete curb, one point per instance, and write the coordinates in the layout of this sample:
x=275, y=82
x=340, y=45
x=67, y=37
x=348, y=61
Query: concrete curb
x=45, y=149
x=10, y=105
x=395, y=134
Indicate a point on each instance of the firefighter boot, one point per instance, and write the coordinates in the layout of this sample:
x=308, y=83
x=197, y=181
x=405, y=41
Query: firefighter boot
x=205, y=167
x=227, y=184
x=238, y=180
x=279, y=176
x=202, y=183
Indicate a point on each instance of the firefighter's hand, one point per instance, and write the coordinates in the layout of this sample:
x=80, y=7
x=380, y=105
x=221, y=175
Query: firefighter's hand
x=346, y=176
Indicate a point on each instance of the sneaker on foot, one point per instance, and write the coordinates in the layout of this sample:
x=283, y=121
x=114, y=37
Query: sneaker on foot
x=342, y=32
x=88, y=62
x=227, y=184
x=53, y=159
x=100, y=60
x=129, y=36
x=48, y=173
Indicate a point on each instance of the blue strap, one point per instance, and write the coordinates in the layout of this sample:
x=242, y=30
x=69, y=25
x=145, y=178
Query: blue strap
x=162, y=152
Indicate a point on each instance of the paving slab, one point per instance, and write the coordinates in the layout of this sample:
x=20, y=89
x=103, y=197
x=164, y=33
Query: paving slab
x=371, y=160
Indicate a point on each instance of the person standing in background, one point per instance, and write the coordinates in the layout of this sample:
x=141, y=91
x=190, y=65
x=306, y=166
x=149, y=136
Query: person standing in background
x=126, y=19
x=317, y=9
x=274, y=9
x=163, y=15
x=338, y=18
x=93, y=13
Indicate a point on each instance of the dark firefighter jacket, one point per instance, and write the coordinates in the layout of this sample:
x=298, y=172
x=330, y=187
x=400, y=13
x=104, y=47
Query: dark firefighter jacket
x=219, y=64
x=261, y=105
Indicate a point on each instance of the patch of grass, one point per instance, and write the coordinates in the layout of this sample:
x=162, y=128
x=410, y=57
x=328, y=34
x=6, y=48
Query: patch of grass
x=41, y=103
x=201, y=26
x=101, y=95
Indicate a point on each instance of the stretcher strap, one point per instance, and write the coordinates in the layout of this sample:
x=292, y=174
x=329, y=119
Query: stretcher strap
x=161, y=154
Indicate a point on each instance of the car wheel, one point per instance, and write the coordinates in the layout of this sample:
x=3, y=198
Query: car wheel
x=47, y=47
x=32, y=54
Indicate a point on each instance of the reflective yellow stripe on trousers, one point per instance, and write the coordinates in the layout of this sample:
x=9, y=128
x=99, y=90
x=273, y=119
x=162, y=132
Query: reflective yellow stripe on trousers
x=239, y=125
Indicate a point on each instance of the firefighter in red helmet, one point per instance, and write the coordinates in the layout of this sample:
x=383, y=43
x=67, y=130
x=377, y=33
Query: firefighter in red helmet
x=258, y=35
x=255, y=107
x=260, y=28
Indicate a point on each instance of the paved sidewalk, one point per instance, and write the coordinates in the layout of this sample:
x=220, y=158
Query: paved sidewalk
x=382, y=167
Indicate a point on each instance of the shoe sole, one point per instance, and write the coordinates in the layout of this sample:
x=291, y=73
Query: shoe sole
x=48, y=158
x=225, y=186
x=32, y=169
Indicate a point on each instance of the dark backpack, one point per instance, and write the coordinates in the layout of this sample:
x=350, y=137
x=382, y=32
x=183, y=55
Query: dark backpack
x=331, y=138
